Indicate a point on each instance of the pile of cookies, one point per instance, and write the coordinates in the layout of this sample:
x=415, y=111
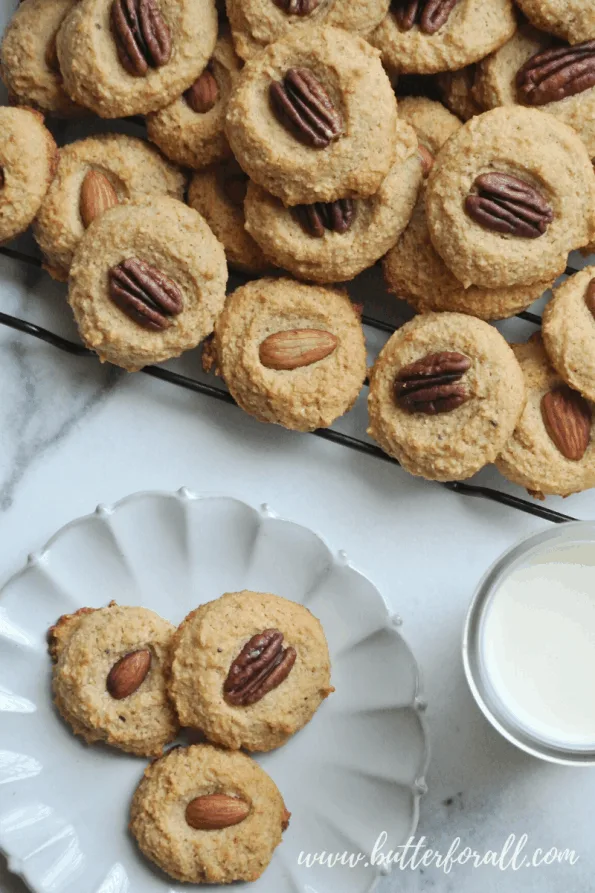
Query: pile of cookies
x=474, y=186
x=248, y=670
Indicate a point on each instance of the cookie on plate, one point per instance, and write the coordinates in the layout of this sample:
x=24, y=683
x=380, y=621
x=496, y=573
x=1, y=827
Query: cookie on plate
x=28, y=60
x=27, y=164
x=218, y=193
x=191, y=130
x=208, y=816
x=109, y=677
x=413, y=270
x=333, y=242
x=92, y=175
x=572, y=20
x=446, y=393
x=130, y=57
x=301, y=121
x=433, y=124
x=457, y=92
x=249, y=669
x=568, y=330
x=290, y=353
x=517, y=74
x=426, y=37
x=552, y=449
x=147, y=282
x=510, y=195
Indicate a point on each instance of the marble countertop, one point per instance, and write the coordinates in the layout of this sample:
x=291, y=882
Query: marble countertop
x=74, y=433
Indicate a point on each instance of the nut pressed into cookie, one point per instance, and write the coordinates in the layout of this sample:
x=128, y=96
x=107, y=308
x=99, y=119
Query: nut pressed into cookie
x=446, y=393
x=457, y=91
x=191, y=130
x=249, y=669
x=109, y=677
x=27, y=163
x=130, y=57
x=313, y=117
x=93, y=175
x=510, y=195
x=147, y=282
x=572, y=20
x=208, y=816
x=333, y=242
x=552, y=450
x=568, y=330
x=290, y=353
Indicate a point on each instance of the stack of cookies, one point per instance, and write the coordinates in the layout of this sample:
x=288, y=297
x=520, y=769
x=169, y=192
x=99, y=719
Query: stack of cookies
x=278, y=148
x=248, y=670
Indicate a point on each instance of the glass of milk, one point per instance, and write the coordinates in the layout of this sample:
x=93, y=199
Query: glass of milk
x=529, y=644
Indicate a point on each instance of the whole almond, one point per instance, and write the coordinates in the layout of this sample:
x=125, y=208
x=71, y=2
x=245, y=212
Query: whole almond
x=128, y=674
x=295, y=348
x=97, y=196
x=203, y=95
x=215, y=811
x=567, y=419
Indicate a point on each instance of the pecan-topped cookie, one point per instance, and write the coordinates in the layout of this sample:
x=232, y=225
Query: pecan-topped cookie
x=428, y=36
x=333, y=242
x=92, y=175
x=208, y=816
x=510, y=195
x=147, y=282
x=109, y=677
x=572, y=20
x=552, y=450
x=445, y=395
x=569, y=331
x=191, y=131
x=290, y=353
x=129, y=57
x=313, y=118
x=257, y=23
x=249, y=669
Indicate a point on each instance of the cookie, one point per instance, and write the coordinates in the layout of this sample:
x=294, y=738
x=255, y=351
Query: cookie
x=249, y=669
x=218, y=194
x=433, y=123
x=147, y=282
x=568, y=330
x=572, y=20
x=426, y=37
x=257, y=23
x=92, y=175
x=457, y=92
x=509, y=196
x=109, y=677
x=208, y=816
x=552, y=450
x=111, y=66
x=290, y=353
x=27, y=163
x=191, y=130
x=313, y=117
x=511, y=75
x=334, y=242
x=28, y=61
x=414, y=271
x=446, y=393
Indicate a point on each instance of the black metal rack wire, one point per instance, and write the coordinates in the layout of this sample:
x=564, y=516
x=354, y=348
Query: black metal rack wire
x=218, y=393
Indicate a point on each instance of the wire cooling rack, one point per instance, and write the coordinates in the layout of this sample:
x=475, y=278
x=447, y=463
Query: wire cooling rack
x=219, y=393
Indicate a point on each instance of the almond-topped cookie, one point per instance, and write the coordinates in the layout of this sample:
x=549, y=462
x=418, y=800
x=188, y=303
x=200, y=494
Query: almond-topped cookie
x=208, y=816
x=290, y=353
x=109, y=677
x=249, y=669
x=446, y=393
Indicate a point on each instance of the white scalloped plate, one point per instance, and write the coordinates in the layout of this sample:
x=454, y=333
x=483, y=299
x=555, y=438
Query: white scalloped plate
x=356, y=770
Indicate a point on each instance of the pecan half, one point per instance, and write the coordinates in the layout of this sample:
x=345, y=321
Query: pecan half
x=203, y=95
x=557, y=73
x=506, y=204
x=142, y=37
x=432, y=385
x=303, y=106
x=144, y=293
x=262, y=665
x=590, y=296
x=430, y=15
x=297, y=7
x=337, y=217
x=567, y=419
